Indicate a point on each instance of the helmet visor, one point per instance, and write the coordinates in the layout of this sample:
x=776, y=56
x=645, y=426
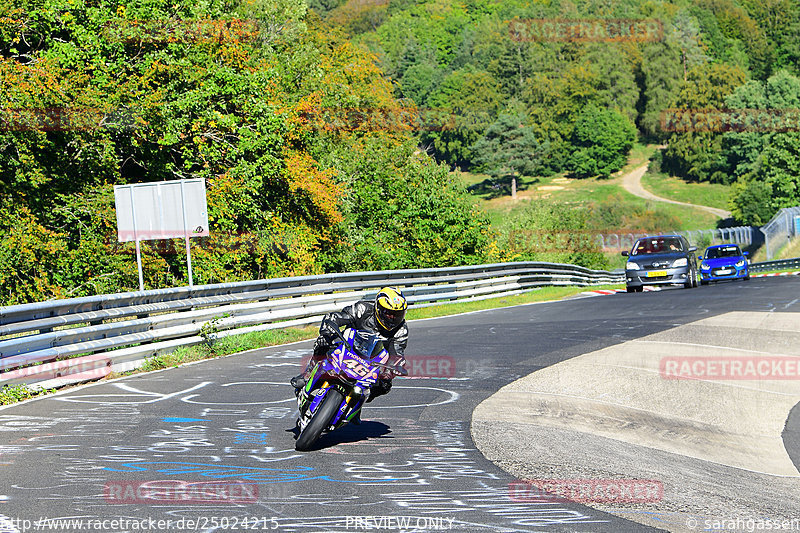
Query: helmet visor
x=389, y=318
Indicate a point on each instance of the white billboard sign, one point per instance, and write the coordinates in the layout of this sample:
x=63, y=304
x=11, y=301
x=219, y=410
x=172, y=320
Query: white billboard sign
x=161, y=210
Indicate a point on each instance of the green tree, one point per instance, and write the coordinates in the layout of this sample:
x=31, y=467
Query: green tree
x=241, y=94
x=616, y=87
x=509, y=148
x=780, y=170
x=697, y=155
x=765, y=159
x=662, y=73
x=736, y=24
x=419, y=81
x=601, y=141
x=461, y=109
x=780, y=22
x=404, y=211
x=750, y=202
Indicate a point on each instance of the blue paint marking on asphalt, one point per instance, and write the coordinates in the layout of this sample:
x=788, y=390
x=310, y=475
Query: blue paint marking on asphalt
x=171, y=419
x=250, y=438
x=241, y=473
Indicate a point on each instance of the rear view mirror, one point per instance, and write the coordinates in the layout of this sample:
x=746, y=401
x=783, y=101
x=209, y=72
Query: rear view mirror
x=746, y=254
x=693, y=248
x=700, y=257
x=625, y=253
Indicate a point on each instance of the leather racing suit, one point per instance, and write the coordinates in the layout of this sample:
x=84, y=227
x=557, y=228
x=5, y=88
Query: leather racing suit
x=361, y=315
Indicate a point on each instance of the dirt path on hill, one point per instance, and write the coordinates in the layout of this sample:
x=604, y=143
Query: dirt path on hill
x=632, y=182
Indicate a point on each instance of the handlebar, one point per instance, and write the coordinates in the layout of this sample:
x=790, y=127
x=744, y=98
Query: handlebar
x=399, y=370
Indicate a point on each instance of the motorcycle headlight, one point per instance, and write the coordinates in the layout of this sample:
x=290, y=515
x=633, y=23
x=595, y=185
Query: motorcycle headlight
x=358, y=390
x=704, y=266
x=631, y=266
x=682, y=262
x=741, y=263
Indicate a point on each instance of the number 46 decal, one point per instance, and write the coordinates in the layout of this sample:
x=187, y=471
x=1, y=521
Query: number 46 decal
x=356, y=367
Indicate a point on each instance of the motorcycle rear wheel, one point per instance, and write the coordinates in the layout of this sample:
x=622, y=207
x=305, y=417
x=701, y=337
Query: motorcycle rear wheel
x=319, y=421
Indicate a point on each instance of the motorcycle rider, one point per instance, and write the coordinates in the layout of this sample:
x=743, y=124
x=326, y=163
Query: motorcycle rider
x=384, y=315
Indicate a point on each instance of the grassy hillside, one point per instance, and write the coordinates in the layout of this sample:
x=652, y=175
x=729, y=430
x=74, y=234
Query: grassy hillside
x=603, y=205
x=710, y=194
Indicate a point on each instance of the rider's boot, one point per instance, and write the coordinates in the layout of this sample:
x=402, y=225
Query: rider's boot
x=298, y=382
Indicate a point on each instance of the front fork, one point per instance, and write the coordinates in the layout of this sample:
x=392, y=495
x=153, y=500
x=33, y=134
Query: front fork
x=309, y=403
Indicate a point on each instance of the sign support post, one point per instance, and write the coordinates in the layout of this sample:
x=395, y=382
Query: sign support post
x=186, y=236
x=162, y=210
x=138, y=248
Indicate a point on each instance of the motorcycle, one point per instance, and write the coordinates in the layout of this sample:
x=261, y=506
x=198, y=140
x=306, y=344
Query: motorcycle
x=340, y=384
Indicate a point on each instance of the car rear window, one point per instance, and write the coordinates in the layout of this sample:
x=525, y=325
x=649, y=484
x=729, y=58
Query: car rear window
x=657, y=245
x=723, y=251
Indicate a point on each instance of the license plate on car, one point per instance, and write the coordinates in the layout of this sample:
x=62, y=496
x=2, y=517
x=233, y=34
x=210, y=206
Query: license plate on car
x=656, y=273
x=724, y=272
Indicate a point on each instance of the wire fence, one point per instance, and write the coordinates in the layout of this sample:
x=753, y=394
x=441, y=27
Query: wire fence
x=783, y=227
x=742, y=235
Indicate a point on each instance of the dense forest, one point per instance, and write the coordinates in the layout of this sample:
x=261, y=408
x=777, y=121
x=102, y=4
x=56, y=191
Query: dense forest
x=583, y=93
x=93, y=97
x=327, y=131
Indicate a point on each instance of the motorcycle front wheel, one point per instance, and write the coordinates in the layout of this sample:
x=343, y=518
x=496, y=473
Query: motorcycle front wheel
x=319, y=421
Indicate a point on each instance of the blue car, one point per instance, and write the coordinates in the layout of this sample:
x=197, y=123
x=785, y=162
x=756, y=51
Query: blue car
x=723, y=261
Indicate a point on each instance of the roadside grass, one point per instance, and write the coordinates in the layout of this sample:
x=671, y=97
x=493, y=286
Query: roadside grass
x=16, y=393
x=791, y=250
x=788, y=251
x=227, y=346
x=262, y=339
x=544, y=294
x=615, y=260
x=672, y=188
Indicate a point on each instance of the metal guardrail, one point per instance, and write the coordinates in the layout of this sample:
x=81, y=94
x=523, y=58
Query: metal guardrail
x=60, y=342
x=779, y=264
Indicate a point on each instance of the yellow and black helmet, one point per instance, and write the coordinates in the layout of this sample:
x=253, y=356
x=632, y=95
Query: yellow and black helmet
x=390, y=308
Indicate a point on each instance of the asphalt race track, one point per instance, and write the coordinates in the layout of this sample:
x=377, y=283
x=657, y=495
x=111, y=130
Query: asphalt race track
x=210, y=446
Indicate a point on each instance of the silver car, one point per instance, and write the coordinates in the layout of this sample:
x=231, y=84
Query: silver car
x=660, y=260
